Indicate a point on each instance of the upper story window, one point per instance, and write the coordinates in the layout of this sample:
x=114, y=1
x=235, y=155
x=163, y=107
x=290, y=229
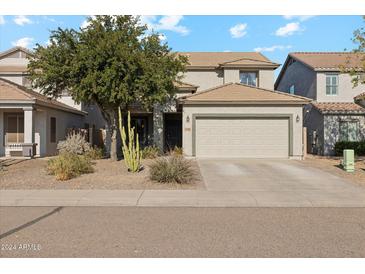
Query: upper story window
x=292, y=89
x=331, y=84
x=248, y=78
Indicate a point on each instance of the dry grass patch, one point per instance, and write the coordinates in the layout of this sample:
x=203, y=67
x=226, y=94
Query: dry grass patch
x=173, y=169
x=32, y=174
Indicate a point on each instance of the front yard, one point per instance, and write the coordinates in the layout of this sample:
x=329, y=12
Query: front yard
x=32, y=174
x=332, y=165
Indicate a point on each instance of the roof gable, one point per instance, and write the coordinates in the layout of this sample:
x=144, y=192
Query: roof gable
x=240, y=93
x=13, y=92
x=12, y=51
x=215, y=59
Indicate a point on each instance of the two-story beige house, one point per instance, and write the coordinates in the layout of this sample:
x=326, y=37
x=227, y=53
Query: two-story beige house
x=225, y=106
x=337, y=112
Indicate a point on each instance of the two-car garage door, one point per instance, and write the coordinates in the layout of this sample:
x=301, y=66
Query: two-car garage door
x=248, y=137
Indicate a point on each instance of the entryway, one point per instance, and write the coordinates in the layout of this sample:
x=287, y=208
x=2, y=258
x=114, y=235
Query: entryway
x=173, y=130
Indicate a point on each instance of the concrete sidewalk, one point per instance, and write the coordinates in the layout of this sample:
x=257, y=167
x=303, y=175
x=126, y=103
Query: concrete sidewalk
x=182, y=198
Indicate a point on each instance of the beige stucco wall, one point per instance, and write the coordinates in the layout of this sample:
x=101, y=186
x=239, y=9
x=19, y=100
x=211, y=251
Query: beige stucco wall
x=204, y=78
x=346, y=91
x=231, y=75
x=69, y=101
x=16, y=78
x=290, y=110
x=266, y=78
x=64, y=120
x=40, y=133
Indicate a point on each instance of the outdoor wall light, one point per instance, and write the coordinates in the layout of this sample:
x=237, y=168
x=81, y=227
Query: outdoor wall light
x=187, y=119
x=297, y=119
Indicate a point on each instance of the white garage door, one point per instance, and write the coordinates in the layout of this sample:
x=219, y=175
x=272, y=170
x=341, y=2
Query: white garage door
x=242, y=137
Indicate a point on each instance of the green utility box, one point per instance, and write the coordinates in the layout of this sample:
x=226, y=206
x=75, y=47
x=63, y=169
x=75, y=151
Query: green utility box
x=348, y=162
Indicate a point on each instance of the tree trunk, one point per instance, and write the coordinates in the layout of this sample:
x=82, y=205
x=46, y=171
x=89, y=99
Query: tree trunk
x=114, y=136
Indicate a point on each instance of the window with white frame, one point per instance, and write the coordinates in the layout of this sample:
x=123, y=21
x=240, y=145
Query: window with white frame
x=331, y=84
x=349, y=131
x=248, y=78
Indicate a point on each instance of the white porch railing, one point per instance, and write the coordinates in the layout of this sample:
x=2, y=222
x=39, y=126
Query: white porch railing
x=17, y=149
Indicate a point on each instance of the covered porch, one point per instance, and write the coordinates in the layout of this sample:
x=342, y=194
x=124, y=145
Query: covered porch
x=19, y=132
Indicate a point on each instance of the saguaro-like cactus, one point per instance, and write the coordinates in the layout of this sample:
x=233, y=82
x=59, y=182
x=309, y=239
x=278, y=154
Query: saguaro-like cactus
x=131, y=151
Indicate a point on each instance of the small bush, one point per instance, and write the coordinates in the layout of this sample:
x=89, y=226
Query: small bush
x=95, y=153
x=75, y=143
x=69, y=165
x=151, y=152
x=174, y=169
x=358, y=147
x=177, y=151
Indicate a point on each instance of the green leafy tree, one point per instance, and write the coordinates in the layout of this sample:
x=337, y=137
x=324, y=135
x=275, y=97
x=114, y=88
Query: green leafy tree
x=359, y=40
x=113, y=62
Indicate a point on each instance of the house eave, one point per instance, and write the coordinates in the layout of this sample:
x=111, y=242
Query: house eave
x=258, y=67
x=237, y=102
x=65, y=109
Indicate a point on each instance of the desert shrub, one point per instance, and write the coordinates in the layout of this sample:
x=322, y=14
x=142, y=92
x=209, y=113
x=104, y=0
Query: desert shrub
x=176, y=151
x=150, y=152
x=95, y=153
x=75, y=143
x=69, y=165
x=174, y=169
x=358, y=147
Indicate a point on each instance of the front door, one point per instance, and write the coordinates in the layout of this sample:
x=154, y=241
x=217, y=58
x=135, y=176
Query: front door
x=141, y=126
x=173, y=130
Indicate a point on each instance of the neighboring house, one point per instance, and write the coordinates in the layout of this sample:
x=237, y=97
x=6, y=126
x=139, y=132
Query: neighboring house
x=225, y=107
x=28, y=118
x=337, y=112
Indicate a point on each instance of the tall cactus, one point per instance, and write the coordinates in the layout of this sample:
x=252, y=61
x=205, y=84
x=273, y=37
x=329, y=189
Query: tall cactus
x=131, y=151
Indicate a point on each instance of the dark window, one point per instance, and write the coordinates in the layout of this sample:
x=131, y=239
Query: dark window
x=53, y=130
x=248, y=78
x=349, y=131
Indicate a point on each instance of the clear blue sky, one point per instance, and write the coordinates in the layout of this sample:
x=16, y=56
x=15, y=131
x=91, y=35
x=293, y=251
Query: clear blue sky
x=274, y=36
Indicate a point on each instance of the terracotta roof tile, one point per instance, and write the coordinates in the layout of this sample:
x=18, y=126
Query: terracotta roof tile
x=361, y=96
x=215, y=59
x=10, y=91
x=331, y=60
x=339, y=107
x=239, y=93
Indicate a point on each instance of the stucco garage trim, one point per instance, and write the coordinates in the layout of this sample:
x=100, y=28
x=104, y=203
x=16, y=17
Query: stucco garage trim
x=243, y=116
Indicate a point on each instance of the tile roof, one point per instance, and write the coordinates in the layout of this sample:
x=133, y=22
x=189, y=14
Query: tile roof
x=331, y=60
x=361, y=96
x=240, y=93
x=13, y=69
x=339, y=107
x=14, y=49
x=12, y=92
x=216, y=59
x=184, y=85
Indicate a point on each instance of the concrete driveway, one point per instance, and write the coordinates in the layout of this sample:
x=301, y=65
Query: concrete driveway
x=272, y=181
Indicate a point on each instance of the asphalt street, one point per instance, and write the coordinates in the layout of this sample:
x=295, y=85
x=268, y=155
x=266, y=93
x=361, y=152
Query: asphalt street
x=181, y=232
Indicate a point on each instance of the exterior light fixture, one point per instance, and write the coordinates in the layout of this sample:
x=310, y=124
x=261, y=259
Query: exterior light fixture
x=297, y=118
x=187, y=119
